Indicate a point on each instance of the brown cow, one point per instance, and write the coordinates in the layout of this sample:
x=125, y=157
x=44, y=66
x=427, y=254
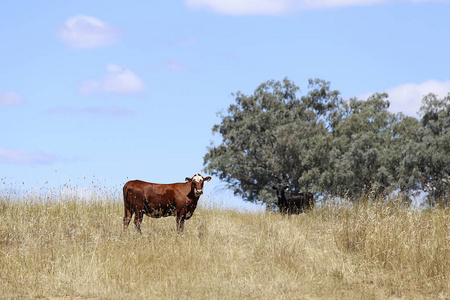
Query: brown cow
x=162, y=200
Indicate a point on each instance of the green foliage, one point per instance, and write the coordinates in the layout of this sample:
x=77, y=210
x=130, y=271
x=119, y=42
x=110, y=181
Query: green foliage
x=364, y=146
x=273, y=137
x=427, y=154
x=321, y=143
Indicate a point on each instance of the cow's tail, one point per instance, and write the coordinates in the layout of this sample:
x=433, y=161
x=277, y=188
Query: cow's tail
x=125, y=193
x=128, y=211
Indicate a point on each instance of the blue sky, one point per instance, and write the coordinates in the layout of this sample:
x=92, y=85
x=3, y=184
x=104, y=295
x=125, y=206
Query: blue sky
x=116, y=90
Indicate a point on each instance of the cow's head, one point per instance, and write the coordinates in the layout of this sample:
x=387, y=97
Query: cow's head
x=197, y=183
x=281, y=192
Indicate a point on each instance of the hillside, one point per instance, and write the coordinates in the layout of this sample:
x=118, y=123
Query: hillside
x=69, y=249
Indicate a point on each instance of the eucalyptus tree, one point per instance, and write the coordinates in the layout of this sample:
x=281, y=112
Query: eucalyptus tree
x=321, y=143
x=426, y=157
x=364, y=147
x=274, y=137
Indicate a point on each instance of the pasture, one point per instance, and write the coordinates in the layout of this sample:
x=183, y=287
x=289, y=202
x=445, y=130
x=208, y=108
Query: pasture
x=68, y=249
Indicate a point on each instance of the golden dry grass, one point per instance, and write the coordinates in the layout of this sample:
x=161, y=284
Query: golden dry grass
x=69, y=249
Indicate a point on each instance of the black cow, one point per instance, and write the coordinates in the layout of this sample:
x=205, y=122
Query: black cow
x=293, y=203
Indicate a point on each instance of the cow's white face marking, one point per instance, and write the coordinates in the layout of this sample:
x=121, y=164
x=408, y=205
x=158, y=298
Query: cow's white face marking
x=198, y=184
x=197, y=178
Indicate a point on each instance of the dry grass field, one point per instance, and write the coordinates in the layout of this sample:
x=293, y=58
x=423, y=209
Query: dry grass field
x=67, y=249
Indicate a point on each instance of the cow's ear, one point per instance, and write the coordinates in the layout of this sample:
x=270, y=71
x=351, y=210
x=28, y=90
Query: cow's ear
x=274, y=187
x=188, y=179
x=206, y=179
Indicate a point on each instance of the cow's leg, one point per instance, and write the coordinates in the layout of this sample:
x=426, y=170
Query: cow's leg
x=311, y=203
x=127, y=217
x=138, y=219
x=180, y=223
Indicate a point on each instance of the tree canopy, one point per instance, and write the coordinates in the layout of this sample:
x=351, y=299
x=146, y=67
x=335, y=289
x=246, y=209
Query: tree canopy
x=322, y=143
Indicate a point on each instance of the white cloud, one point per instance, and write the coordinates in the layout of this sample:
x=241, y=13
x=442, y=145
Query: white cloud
x=84, y=32
x=18, y=156
x=118, y=80
x=10, y=99
x=242, y=7
x=407, y=98
x=280, y=7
